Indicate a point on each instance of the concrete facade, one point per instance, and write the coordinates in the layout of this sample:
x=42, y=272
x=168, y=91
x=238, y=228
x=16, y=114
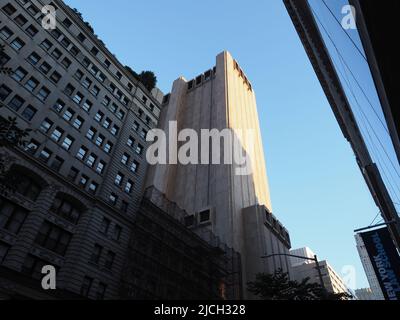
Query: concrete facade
x=73, y=94
x=332, y=281
x=302, y=252
x=220, y=98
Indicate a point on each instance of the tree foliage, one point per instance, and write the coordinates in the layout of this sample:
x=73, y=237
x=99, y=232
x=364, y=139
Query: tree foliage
x=278, y=286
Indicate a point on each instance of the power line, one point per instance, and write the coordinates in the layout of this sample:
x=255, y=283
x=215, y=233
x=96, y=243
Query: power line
x=352, y=74
x=339, y=54
x=341, y=27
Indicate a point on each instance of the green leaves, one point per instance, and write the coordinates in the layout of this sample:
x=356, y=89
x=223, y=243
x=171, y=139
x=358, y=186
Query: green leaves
x=278, y=286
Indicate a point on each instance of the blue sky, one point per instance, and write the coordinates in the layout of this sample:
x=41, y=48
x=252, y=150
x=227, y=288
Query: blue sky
x=316, y=187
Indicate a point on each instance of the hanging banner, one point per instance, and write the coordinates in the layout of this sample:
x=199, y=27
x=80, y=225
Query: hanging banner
x=385, y=260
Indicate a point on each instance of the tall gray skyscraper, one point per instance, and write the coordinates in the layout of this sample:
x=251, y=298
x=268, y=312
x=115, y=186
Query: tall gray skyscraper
x=237, y=208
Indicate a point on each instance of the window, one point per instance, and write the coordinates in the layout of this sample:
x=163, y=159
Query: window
x=57, y=163
x=102, y=77
x=87, y=106
x=134, y=166
x=124, y=206
x=113, y=198
x=11, y=216
x=67, y=143
x=95, y=91
x=78, y=98
x=99, y=140
x=93, y=187
x=99, y=116
x=108, y=147
x=91, y=160
x=73, y=174
x=31, y=84
x=144, y=99
x=69, y=90
x=129, y=186
x=100, y=167
x=32, y=31
x=78, y=74
x=65, y=42
x=94, y=70
x=4, y=92
x=56, y=54
x=115, y=130
x=45, y=155
x=91, y=133
x=34, y=58
x=101, y=291
x=46, y=45
x=33, y=10
x=74, y=51
x=139, y=149
x=81, y=37
x=56, y=33
x=110, y=257
x=119, y=75
x=9, y=9
x=19, y=74
x=82, y=153
x=117, y=232
x=17, y=44
x=4, y=59
x=55, y=77
x=57, y=134
x=67, y=23
x=86, y=62
x=120, y=114
x=46, y=125
x=94, y=51
x=107, y=63
x=105, y=225
x=29, y=113
x=53, y=238
x=68, y=115
x=107, y=123
x=130, y=142
x=66, y=63
x=43, y=94
x=32, y=146
x=33, y=267
x=125, y=159
x=83, y=181
x=143, y=133
x=45, y=68
x=113, y=108
x=86, y=83
x=118, y=179
x=96, y=254
x=59, y=105
x=78, y=122
x=16, y=103
x=5, y=33
x=86, y=286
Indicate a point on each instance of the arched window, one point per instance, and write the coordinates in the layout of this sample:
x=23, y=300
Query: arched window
x=25, y=182
x=67, y=208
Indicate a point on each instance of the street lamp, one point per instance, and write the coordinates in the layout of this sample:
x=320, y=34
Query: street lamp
x=315, y=259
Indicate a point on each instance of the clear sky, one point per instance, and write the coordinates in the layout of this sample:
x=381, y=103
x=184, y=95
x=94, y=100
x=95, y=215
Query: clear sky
x=316, y=187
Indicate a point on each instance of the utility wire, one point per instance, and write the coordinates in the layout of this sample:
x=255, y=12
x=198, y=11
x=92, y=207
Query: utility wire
x=338, y=52
x=341, y=27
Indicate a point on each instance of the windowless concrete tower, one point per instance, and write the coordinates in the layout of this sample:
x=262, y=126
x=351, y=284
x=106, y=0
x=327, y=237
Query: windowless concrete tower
x=215, y=194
